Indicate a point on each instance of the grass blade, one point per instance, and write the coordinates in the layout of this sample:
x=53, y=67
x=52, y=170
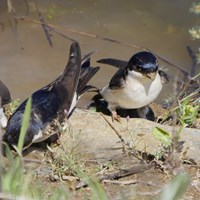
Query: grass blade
x=176, y=188
x=24, y=127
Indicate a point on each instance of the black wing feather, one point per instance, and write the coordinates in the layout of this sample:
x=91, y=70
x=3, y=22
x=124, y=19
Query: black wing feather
x=117, y=81
x=86, y=75
x=164, y=76
x=69, y=79
x=114, y=62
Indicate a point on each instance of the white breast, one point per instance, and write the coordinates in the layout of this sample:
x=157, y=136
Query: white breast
x=74, y=102
x=136, y=93
x=3, y=119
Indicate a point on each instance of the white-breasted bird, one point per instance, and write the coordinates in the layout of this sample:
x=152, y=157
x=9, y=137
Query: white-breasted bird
x=136, y=84
x=53, y=103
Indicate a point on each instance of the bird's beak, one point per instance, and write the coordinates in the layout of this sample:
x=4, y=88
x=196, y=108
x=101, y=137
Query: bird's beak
x=151, y=75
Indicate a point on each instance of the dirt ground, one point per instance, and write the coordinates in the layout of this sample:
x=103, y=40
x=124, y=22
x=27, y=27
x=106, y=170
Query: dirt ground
x=122, y=176
x=141, y=185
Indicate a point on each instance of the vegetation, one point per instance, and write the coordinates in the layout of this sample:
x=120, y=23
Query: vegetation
x=195, y=31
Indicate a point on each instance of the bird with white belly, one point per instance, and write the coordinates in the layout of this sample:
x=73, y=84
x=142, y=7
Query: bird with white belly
x=53, y=104
x=136, y=84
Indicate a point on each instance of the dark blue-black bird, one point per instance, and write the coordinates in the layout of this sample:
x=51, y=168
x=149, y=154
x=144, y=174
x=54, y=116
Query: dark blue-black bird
x=4, y=99
x=53, y=103
x=4, y=94
x=136, y=84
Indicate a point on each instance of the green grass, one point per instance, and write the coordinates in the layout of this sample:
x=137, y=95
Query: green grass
x=175, y=189
x=25, y=123
x=17, y=181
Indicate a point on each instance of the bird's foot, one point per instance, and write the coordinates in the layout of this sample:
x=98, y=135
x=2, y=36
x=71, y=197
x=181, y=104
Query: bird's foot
x=115, y=116
x=127, y=118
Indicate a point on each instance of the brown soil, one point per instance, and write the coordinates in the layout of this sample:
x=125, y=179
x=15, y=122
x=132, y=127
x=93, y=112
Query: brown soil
x=52, y=169
x=143, y=185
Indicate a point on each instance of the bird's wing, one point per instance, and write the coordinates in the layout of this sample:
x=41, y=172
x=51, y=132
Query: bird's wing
x=86, y=75
x=163, y=76
x=114, y=62
x=117, y=81
x=85, y=61
x=87, y=72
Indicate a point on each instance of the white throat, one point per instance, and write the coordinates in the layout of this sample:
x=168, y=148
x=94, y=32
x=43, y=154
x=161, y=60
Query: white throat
x=138, y=91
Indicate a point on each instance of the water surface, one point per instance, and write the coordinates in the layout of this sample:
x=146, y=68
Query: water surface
x=28, y=62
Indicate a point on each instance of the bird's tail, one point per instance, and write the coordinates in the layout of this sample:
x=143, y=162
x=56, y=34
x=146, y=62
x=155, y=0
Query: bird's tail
x=87, y=72
x=67, y=83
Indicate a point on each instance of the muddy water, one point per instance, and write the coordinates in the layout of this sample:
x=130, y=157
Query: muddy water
x=28, y=62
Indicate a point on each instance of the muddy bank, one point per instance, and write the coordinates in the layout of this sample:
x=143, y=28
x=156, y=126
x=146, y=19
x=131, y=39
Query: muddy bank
x=99, y=138
x=94, y=144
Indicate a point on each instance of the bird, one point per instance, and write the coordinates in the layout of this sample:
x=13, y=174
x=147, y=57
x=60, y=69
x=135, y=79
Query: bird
x=53, y=103
x=5, y=98
x=135, y=85
x=4, y=94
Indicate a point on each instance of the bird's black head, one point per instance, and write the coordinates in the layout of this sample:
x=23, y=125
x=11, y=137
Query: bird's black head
x=143, y=62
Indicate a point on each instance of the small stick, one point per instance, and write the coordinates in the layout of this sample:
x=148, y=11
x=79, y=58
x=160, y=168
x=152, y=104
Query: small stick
x=103, y=38
x=2, y=26
x=193, y=57
x=60, y=34
x=115, y=130
x=27, y=8
x=29, y=160
x=118, y=174
x=150, y=193
x=44, y=26
x=120, y=182
x=126, y=172
x=124, y=144
x=12, y=13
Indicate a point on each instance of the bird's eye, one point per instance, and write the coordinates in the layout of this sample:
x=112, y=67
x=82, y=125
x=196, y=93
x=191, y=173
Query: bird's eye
x=139, y=68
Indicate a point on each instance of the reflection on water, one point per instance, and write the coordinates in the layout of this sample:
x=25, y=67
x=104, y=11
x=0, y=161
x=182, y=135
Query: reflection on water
x=28, y=62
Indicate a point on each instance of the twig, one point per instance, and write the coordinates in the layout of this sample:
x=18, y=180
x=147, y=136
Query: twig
x=31, y=160
x=60, y=34
x=11, y=11
x=103, y=38
x=124, y=144
x=44, y=26
x=195, y=184
x=153, y=193
x=195, y=166
x=126, y=148
x=2, y=26
x=193, y=57
x=119, y=174
x=129, y=182
x=126, y=172
x=27, y=8
x=116, y=131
